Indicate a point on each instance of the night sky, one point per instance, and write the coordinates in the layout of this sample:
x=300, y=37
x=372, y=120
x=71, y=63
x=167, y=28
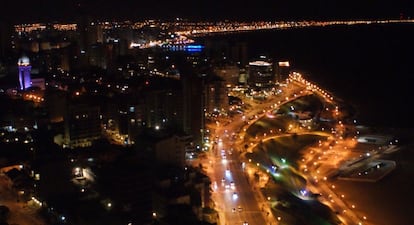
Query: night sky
x=46, y=10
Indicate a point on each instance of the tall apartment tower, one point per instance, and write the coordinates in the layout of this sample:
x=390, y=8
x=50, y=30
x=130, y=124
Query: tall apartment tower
x=25, y=68
x=215, y=96
x=261, y=74
x=282, y=71
x=193, y=106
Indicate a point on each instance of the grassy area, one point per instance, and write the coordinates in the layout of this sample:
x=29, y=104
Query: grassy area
x=287, y=147
x=292, y=210
x=285, y=151
x=265, y=124
x=310, y=103
x=282, y=120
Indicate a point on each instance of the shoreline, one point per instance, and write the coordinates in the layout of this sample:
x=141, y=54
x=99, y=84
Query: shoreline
x=377, y=201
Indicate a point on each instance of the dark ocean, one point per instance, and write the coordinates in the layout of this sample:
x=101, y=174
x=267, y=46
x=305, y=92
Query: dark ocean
x=369, y=66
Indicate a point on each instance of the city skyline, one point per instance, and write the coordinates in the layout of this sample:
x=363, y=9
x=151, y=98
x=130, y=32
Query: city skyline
x=120, y=113
x=46, y=10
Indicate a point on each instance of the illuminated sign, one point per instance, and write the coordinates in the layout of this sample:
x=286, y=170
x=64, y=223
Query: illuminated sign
x=284, y=63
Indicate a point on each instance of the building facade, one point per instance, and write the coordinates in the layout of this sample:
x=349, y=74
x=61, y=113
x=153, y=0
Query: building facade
x=261, y=74
x=82, y=125
x=25, y=68
x=171, y=151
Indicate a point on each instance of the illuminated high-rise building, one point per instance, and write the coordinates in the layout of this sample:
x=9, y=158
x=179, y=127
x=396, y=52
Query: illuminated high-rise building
x=24, y=72
x=260, y=74
x=282, y=71
x=215, y=96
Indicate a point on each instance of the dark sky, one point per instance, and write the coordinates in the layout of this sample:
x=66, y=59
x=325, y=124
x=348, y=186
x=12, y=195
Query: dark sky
x=46, y=10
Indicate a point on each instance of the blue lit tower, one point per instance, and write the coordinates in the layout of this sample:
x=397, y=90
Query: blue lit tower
x=24, y=72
